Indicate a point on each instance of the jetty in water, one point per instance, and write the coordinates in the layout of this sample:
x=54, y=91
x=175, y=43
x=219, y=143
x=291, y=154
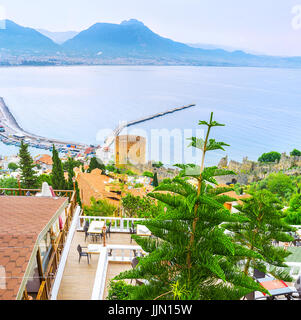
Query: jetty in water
x=12, y=134
x=109, y=140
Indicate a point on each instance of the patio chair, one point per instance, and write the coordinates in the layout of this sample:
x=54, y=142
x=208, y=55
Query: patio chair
x=134, y=263
x=132, y=230
x=97, y=237
x=297, y=285
x=108, y=230
x=82, y=254
x=258, y=274
x=87, y=234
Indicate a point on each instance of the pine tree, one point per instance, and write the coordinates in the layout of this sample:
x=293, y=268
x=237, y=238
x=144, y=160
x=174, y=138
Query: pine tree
x=78, y=199
x=265, y=225
x=70, y=166
x=57, y=175
x=155, y=181
x=191, y=257
x=96, y=164
x=28, y=175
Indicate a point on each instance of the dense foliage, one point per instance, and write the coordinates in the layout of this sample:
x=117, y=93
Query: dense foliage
x=28, y=175
x=119, y=290
x=293, y=213
x=96, y=164
x=13, y=166
x=100, y=207
x=263, y=226
x=57, y=174
x=295, y=153
x=190, y=251
x=140, y=207
x=279, y=184
x=9, y=183
x=270, y=157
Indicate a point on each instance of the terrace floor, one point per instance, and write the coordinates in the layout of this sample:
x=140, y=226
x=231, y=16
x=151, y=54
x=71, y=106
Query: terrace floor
x=78, y=278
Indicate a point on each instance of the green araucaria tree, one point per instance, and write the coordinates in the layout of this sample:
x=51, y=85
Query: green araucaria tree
x=264, y=226
x=191, y=256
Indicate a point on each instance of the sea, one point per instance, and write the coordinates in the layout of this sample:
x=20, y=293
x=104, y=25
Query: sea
x=260, y=107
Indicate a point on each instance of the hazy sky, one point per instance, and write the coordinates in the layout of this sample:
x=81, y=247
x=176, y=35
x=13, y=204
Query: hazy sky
x=260, y=25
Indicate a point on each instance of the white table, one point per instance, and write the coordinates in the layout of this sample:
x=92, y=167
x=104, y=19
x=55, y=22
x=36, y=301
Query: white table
x=94, y=248
x=143, y=230
x=96, y=227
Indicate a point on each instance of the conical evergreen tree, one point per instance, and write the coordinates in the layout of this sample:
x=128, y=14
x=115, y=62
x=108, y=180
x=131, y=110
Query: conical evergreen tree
x=96, y=164
x=265, y=225
x=155, y=181
x=191, y=256
x=70, y=166
x=28, y=175
x=57, y=175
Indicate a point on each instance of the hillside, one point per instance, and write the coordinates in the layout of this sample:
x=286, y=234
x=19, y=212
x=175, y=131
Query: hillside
x=129, y=43
x=15, y=38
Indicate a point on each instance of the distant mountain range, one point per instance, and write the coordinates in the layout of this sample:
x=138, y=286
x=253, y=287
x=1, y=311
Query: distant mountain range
x=58, y=37
x=15, y=38
x=130, y=42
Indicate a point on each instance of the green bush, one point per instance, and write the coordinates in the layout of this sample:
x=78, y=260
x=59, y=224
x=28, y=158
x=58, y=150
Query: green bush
x=270, y=157
x=100, y=208
x=119, y=290
x=293, y=214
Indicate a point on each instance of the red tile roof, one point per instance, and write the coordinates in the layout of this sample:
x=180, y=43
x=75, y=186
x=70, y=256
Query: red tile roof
x=22, y=220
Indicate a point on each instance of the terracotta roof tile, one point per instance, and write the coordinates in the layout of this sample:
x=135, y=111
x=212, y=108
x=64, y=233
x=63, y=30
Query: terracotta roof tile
x=22, y=220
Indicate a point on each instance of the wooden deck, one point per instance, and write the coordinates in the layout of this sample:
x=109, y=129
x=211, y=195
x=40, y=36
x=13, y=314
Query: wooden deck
x=78, y=278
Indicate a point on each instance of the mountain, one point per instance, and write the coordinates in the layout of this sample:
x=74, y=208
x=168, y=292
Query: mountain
x=128, y=39
x=130, y=42
x=58, y=37
x=223, y=47
x=133, y=40
x=15, y=38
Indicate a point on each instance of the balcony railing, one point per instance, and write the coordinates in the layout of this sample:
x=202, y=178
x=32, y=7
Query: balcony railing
x=33, y=192
x=111, y=253
x=118, y=224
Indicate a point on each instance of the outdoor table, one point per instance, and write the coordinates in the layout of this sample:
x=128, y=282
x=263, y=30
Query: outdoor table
x=96, y=227
x=276, y=288
x=94, y=248
x=143, y=230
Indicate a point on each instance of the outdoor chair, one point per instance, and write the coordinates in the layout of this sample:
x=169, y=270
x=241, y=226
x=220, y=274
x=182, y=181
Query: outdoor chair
x=82, y=254
x=258, y=274
x=132, y=230
x=97, y=237
x=108, y=230
x=87, y=234
x=134, y=263
x=297, y=286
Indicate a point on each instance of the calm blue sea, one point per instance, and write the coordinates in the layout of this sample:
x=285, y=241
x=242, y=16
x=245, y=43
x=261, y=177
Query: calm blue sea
x=260, y=107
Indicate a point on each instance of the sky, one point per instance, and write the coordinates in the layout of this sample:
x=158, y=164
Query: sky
x=265, y=26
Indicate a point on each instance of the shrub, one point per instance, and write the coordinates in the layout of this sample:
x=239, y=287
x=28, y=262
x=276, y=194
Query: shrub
x=119, y=290
x=100, y=207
